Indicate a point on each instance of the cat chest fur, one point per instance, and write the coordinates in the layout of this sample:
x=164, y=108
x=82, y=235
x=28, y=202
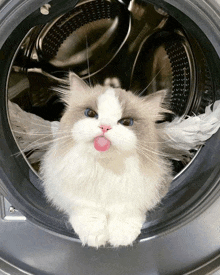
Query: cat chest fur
x=104, y=182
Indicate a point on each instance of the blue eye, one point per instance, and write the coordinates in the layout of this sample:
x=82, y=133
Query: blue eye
x=126, y=121
x=90, y=113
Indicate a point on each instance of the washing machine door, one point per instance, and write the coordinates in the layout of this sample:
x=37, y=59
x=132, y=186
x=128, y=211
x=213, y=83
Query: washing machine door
x=142, y=46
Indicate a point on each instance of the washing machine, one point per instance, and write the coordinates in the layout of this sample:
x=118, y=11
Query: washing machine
x=143, y=46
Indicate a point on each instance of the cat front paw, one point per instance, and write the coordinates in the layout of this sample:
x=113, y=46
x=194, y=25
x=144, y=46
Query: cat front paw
x=94, y=240
x=124, y=233
x=92, y=230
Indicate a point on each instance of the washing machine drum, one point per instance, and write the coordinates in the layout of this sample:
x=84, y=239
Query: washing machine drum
x=141, y=46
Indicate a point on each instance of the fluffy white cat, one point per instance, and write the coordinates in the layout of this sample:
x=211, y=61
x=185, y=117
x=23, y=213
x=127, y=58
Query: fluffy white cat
x=105, y=168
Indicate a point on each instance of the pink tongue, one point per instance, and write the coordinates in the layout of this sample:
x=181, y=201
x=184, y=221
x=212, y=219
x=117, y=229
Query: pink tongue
x=101, y=144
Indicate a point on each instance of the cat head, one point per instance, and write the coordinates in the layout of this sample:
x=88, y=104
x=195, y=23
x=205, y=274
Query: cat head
x=107, y=120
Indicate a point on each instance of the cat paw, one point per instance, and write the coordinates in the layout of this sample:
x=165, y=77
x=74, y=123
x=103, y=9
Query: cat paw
x=123, y=233
x=92, y=231
x=96, y=240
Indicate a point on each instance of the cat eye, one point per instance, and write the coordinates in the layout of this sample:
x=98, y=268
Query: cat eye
x=91, y=113
x=126, y=121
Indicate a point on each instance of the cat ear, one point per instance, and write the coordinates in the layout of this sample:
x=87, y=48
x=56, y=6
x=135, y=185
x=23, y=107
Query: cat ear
x=157, y=98
x=77, y=84
x=157, y=104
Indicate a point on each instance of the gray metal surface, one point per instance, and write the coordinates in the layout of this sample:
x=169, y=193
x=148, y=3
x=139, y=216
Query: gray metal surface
x=38, y=251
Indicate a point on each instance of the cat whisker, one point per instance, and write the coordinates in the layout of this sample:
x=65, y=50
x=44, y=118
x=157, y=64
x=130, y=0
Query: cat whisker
x=33, y=134
x=27, y=149
x=63, y=143
x=150, y=150
x=59, y=138
x=42, y=149
x=148, y=157
x=151, y=159
x=31, y=122
x=49, y=133
x=29, y=152
x=155, y=142
x=62, y=139
x=161, y=154
x=39, y=145
x=148, y=146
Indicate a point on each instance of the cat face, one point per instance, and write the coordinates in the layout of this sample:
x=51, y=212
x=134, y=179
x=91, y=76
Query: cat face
x=104, y=119
x=105, y=123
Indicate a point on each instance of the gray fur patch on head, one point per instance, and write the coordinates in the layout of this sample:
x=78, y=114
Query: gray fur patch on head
x=79, y=102
x=145, y=111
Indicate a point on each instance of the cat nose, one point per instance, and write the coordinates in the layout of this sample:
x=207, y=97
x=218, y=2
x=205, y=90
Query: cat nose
x=105, y=128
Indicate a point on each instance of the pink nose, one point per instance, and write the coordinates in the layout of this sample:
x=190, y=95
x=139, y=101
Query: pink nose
x=105, y=128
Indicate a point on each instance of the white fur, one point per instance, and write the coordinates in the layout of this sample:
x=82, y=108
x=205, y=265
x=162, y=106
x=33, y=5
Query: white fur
x=109, y=108
x=105, y=194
